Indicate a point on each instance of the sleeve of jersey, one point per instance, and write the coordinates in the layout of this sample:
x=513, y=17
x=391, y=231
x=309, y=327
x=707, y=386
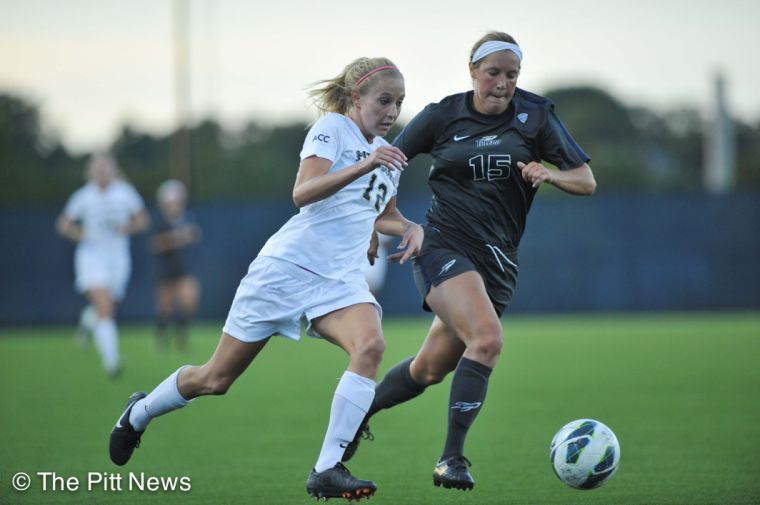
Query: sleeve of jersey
x=135, y=201
x=323, y=140
x=419, y=135
x=73, y=208
x=558, y=147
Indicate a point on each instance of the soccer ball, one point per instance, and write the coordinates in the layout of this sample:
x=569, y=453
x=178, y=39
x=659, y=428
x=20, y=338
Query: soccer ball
x=585, y=454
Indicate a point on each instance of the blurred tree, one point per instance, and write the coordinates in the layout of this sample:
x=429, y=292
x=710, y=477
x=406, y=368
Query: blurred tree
x=673, y=150
x=208, y=159
x=606, y=131
x=34, y=166
x=268, y=159
x=143, y=159
x=633, y=149
x=747, y=156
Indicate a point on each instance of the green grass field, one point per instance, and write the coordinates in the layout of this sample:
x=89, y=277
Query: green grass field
x=681, y=391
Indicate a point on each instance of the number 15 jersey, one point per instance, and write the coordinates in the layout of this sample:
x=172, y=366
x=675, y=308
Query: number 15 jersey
x=330, y=237
x=479, y=195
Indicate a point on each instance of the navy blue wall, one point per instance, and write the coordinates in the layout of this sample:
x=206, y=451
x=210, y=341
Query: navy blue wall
x=602, y=253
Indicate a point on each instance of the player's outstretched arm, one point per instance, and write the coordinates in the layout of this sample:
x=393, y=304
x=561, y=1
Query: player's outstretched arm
x=392, y=222
x=576, y=181
x=68, y=228
x=138, y=223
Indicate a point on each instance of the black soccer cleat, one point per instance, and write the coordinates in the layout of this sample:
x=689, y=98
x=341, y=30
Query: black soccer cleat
x=362, y=433
x=337, y=482
x=453, y=473
x=124, y=438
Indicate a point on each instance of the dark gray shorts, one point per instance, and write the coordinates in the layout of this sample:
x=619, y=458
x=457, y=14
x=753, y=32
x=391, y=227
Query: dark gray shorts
x=442, y=258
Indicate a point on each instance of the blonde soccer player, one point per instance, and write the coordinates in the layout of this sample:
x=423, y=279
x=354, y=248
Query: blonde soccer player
x=99, y=218
x=310, y=271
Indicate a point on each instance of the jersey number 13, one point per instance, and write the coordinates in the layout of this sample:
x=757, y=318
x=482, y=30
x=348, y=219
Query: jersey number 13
x=377, y=194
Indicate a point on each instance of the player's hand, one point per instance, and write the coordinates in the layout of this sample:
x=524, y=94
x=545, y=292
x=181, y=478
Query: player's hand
x=410, y=244
x=535, y=173
x=374, y=245
x=184, y=235
x=390, y=156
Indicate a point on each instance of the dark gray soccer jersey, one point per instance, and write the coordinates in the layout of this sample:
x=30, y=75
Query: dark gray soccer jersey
x=173, y=263
x=479, y=195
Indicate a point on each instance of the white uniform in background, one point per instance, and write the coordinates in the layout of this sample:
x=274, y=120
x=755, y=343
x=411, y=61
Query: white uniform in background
x=102, y=258
x=313, y=264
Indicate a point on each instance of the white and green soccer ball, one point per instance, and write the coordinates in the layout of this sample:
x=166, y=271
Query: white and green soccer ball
x=585, y=454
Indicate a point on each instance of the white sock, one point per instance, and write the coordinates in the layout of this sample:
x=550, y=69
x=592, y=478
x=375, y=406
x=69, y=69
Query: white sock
x=88, y=318
x=107, y=343
x=352, y=399
x=163, y=399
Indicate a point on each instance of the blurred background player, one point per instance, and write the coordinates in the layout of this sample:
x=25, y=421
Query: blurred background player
x=345, y=187
x=100, y=217
x=488, y=145
x=177, y=289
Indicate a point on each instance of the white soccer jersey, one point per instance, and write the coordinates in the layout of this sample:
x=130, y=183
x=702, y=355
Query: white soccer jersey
x=102, y=212
x=330, y=237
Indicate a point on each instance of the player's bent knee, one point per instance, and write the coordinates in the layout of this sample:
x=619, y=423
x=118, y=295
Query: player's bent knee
x=372, y=347
x=488, y=346
x=430, y=375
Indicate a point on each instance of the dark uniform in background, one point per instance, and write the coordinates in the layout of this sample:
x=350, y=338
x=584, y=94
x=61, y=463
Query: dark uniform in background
x=173, y=264
x=174, y=276
x=480, y=200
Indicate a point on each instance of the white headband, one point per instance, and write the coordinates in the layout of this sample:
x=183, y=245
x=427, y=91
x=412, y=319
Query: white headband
x=492, y=46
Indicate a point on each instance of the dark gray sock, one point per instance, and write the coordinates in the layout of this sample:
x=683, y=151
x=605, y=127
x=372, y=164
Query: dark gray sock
x=468, y=391
x=396, y=387
x=162, y=326
x=182, y=332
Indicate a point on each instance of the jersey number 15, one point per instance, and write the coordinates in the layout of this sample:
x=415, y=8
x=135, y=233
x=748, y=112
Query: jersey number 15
x=490, y=167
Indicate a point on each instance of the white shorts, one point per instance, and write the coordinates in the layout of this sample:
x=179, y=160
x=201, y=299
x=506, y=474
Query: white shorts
x=276, y=296
x=105, y=269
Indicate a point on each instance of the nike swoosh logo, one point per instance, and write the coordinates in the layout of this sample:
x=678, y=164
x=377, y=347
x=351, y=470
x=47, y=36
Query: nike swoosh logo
x=343, y=446
x=457, y=138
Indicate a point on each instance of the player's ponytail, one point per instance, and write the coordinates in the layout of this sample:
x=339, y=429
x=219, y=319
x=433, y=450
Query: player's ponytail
x=334, y=95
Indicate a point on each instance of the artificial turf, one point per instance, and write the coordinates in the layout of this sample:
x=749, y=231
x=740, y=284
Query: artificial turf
x=681, y=391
